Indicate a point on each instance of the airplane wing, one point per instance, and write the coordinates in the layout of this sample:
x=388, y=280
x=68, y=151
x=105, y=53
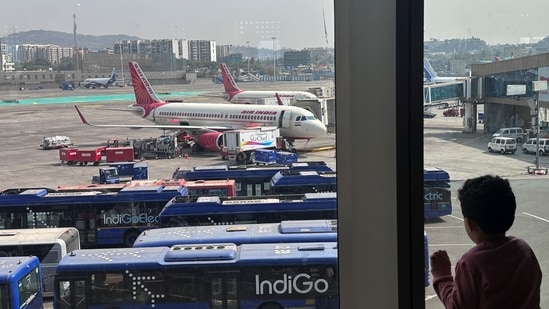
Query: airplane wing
x=155, y=126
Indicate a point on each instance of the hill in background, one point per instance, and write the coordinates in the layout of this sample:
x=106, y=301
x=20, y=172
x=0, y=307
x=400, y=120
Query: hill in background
x=63, y=39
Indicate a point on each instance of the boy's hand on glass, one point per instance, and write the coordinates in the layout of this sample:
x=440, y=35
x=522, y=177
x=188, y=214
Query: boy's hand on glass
x=440, y=264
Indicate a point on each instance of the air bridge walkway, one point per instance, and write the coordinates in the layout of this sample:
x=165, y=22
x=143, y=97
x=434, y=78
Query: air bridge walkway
x=435, y=94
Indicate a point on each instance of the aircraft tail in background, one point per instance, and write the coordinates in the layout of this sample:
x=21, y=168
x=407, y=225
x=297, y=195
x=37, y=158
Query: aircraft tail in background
x=430, y=76
x=231, y=88
x=145, y=96
x=112, y=78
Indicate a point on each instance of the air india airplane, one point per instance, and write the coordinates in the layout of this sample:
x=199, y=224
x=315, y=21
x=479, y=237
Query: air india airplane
x=236, y=95
x=205, y=122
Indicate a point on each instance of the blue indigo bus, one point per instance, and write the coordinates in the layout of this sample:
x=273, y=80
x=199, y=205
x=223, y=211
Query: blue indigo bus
x=436, y=193
x=104, y=218
x=251, y=180
x=214, y=210
x=20, y=282
x=295, y=182
x=48, y=245
x=283, y=232
x=198, y=276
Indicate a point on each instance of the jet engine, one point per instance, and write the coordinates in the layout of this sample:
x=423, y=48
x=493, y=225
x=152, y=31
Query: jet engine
x=211, y=141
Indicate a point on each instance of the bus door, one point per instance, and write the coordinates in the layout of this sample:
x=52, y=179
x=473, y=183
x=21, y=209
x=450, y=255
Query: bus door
x=72, y=294
x=224, y=290
x=86, y=224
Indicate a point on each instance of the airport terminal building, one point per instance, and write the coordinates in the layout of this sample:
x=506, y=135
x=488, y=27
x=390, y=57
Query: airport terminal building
x=494, y=86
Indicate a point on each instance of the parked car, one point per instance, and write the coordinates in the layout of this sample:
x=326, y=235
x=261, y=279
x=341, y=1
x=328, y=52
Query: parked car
x=517, y=133
x=530, y=146
x=502, y=145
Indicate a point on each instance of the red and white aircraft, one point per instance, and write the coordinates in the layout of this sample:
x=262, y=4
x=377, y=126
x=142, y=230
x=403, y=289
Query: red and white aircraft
x=205, y=122
x=236, y=95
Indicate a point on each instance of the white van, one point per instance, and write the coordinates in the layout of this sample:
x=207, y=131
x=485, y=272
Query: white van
x=517, y=133
x=530, y=146
x=503, y=145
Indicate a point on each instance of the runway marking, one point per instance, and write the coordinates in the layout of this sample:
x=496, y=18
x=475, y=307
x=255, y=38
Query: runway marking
x=452, y=216
x=444, y=227
x=428, y=297
x=444, y=245
x=534, y=216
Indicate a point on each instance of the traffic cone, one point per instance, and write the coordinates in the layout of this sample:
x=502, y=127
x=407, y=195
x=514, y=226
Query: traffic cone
x=186, y=155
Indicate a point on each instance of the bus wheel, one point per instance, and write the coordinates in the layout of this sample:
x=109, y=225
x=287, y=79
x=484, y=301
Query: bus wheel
x=270, y=306
x=130, y=237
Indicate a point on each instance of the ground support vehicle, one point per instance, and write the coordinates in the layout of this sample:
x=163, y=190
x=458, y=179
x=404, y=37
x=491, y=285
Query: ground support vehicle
x=239, y=145
x=101, y=154
x=516, y=132
x=451, y=112
x=163, y=147
x=68, y=155
x=66, y=85
x=265, y=156
x=119, y=154
x=93, y=156
x=285, y=157
x=503, y=145
x=56, y=142
x=107, y=175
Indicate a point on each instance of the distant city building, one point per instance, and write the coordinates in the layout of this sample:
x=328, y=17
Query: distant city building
x=50, y=52
x=294, y=59
x=202, y=50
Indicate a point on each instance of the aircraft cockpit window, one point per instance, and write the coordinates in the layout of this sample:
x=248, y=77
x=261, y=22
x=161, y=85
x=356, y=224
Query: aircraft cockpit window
x=311, y=118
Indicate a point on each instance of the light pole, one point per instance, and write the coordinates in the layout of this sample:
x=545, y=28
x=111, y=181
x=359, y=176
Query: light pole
x=537, y=86
x=248, y=43
x=274, y=59
x=121, y=64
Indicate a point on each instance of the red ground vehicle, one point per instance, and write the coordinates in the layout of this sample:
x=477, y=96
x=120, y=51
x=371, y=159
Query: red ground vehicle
x=85, y=156
x=119, y=154
x=68, y=155
x=452, y=112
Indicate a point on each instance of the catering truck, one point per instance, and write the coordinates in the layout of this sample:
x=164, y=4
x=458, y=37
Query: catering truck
x=239, y=145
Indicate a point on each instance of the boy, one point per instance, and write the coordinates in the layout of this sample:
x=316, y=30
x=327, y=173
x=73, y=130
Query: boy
x=500, y=271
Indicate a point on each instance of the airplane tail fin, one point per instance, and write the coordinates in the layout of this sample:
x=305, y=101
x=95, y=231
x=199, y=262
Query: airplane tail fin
x=429, y=73
x=228, y=81
x=144, y=93
x=278, y=99
x=112, y=79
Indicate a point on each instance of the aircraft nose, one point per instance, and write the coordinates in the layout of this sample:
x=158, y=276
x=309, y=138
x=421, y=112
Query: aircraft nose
x=320, y=129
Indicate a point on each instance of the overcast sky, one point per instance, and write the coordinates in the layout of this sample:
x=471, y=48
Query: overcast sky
x=294, y=23
x=494, y=21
